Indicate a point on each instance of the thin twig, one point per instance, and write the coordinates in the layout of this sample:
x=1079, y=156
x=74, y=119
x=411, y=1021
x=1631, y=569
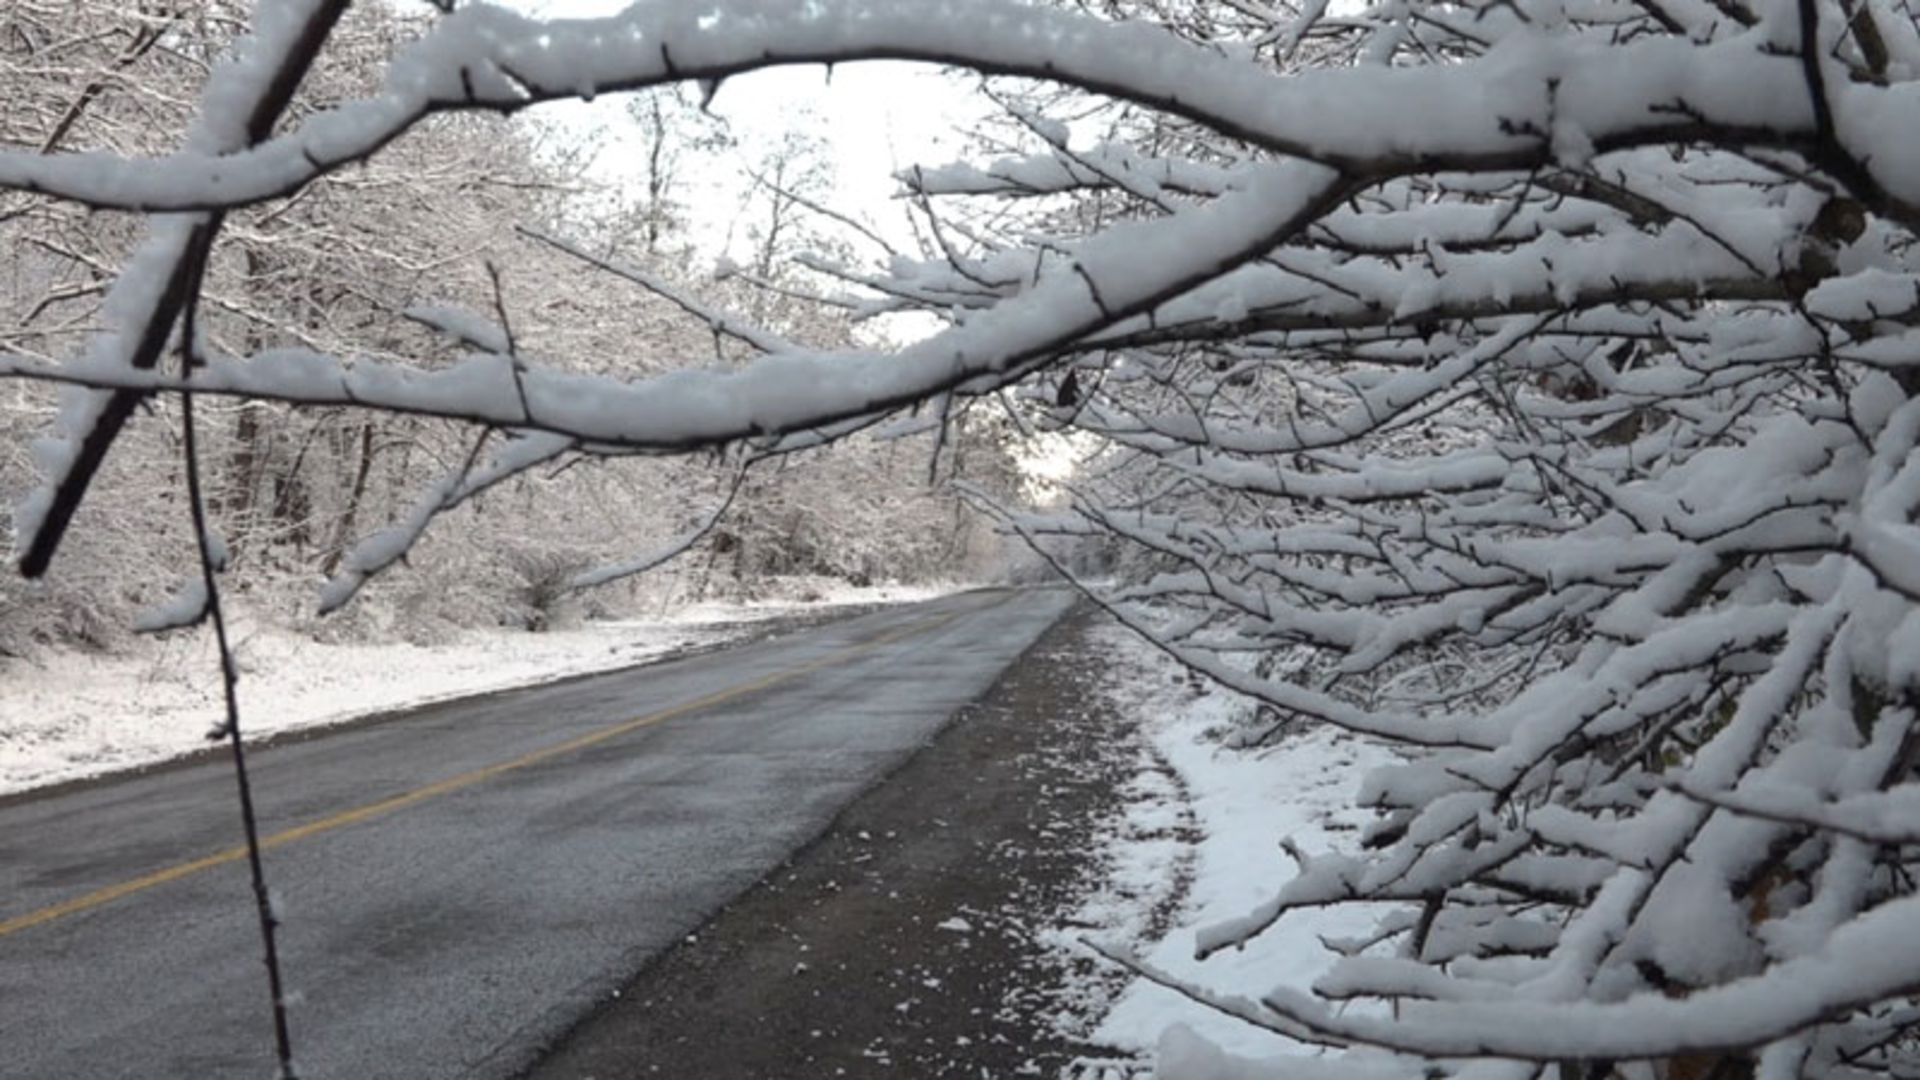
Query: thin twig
x=229, y=679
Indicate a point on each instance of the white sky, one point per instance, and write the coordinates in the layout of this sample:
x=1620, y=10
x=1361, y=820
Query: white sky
x=873, y=118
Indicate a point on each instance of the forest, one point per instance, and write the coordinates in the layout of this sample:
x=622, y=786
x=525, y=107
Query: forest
x=468, y=213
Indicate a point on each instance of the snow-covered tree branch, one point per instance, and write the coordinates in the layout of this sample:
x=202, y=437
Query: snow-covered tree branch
x=1531, y=384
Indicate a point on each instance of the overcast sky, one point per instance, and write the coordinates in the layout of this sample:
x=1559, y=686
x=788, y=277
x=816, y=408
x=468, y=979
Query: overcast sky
x=872, y=118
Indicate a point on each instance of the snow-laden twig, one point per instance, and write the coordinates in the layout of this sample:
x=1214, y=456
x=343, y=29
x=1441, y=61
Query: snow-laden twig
x=671, y=549
x=720, y=322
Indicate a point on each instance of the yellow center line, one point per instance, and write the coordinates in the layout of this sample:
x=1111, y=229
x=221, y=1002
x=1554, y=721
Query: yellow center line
x=451, y=784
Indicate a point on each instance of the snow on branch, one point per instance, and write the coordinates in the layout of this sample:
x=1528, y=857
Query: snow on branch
x=520, y=451
x=667, y=552
x=1534, y=387
x=1871, y=960
x=720, y=322
x=1511, y=109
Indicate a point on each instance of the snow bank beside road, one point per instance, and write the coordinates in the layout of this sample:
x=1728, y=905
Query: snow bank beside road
x=1203, y=834
x=71, y=715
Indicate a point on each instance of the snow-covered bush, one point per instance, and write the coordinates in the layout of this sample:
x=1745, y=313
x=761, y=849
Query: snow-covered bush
x=1535, y=378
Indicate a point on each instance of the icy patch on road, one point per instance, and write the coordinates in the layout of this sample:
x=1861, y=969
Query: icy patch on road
x=1199, y=844
x=68, y=715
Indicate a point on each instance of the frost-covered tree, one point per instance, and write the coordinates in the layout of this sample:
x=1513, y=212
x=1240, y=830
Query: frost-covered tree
x=431, y=220
x=1530, y=384
x=329, y=269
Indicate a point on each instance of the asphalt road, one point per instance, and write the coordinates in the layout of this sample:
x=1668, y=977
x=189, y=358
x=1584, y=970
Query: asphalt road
x=460, y=885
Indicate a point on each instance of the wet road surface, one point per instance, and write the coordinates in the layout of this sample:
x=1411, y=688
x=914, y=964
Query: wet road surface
x=461, y=884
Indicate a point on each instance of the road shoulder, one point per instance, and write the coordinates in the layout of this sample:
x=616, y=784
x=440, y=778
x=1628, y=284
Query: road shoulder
x=907, y=939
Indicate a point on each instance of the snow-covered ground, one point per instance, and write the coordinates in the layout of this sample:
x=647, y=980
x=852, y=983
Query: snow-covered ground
x=68, y=715
x=1201, y=836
